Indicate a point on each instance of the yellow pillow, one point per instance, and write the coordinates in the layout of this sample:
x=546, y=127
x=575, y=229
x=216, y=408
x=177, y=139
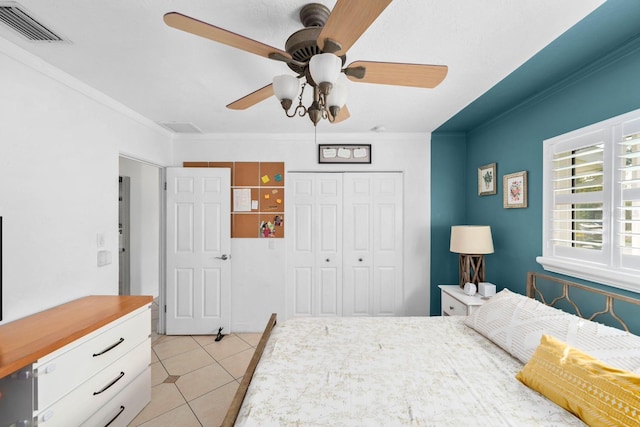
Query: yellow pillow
x=598, y=394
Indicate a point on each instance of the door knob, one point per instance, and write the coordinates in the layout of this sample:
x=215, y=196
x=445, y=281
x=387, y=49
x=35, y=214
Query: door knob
x=224, y=257
x=360, y=259
x=327, y=260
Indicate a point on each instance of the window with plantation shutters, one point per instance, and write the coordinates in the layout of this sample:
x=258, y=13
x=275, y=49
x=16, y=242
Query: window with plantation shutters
x=628, y=209
x=591, y=203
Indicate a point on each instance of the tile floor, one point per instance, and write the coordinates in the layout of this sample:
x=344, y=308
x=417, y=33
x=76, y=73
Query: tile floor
x=194, y=378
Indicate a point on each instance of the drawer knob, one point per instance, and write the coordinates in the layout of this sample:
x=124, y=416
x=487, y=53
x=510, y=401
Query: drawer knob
x=47, y=415
x=450, y=307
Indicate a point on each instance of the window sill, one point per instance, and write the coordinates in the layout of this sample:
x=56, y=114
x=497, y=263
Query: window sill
x=621, y=279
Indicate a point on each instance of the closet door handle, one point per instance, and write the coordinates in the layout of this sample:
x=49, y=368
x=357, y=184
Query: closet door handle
x=111, y=347
x=105, y=388
x=114, y=418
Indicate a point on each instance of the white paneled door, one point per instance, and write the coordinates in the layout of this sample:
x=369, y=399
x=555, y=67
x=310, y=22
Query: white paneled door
x=315, y=254
x=345, y=244
x=372, y=244
x=198, y=294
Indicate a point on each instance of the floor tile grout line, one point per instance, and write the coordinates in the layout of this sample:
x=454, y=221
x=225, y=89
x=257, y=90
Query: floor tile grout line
x=217, y=362
x=188, y=402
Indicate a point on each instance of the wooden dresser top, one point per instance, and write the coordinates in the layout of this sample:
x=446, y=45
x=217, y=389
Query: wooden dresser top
x=26, y=340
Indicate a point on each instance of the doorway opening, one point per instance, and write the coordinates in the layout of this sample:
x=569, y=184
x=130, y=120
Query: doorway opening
x=140, y=232
x=124, y=246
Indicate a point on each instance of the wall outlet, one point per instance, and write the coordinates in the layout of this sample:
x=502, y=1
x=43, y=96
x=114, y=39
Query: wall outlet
x=104, y=258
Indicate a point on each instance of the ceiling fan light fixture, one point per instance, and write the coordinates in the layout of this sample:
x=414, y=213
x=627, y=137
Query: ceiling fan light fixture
x=312, y=53
x=338, y=95
x=286, y=87
x=314, y=112
x=325, y=68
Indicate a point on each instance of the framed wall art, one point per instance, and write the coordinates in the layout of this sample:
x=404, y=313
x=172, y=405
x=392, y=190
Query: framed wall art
x=487, y=180
x=514, y=188
x=349, y=153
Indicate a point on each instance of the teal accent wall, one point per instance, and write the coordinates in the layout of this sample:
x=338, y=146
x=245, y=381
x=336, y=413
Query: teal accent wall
x=515, y=142
x=607, y=86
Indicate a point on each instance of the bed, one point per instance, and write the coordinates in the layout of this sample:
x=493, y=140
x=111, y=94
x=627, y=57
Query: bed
x=506, y=364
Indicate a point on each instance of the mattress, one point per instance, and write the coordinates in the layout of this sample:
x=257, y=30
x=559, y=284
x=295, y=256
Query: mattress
x=400, y=371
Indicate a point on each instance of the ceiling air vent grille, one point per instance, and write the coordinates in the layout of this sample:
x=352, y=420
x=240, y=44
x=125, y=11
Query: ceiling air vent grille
x=14, y=16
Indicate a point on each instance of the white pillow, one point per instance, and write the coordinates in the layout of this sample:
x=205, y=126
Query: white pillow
x=515, y=323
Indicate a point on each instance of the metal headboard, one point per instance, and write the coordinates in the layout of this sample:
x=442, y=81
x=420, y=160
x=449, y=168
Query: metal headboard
x=609, y=298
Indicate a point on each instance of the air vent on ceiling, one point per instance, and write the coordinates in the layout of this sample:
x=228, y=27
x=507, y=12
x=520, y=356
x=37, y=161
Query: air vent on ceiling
x=181, y=127
x=16, y=17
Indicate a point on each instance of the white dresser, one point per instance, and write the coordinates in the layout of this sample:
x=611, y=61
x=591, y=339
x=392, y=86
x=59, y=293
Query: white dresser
x=93, y=367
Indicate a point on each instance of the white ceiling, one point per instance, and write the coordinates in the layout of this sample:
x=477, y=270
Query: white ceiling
x=124, y=49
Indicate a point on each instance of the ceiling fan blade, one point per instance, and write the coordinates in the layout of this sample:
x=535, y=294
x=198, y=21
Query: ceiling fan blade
x=348, y=20
x=398, y=74
x=203, y=29
x=252, y=99
x=342, y=115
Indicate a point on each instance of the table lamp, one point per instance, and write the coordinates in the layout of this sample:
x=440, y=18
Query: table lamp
x=472, y=242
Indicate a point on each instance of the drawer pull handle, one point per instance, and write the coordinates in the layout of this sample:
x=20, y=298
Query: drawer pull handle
x=109, y=348
x=114, y=418
x=105, y=388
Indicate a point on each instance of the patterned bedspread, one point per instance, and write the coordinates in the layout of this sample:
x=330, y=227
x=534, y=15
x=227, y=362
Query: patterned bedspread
x=401, y=371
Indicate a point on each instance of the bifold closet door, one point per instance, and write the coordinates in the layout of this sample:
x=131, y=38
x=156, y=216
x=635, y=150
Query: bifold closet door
x=344, y=241
x=314, y=276
x=372, y=244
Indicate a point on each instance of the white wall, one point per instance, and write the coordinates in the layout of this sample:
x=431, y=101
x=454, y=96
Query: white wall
x=59, y=146
x=60, y=143
x=258, y=265
x=144, y=218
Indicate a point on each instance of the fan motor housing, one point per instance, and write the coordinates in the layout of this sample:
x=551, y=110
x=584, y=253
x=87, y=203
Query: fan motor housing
x=303, y=44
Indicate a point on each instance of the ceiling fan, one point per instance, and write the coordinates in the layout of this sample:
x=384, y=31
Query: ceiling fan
x=317, y=54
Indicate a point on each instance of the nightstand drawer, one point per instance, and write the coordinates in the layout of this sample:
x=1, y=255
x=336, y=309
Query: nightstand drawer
x=452, y=307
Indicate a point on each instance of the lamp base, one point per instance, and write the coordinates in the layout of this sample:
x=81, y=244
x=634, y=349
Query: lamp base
x=471, y=269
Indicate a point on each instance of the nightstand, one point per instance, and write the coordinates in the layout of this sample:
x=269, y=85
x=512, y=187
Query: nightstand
x=456, y=303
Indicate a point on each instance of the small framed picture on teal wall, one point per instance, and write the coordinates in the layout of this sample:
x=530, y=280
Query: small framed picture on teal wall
x=514, y=189
x=487, y=180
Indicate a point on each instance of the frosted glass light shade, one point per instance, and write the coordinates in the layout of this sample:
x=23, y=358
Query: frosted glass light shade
x=338, y=95
x=286, y=86
x=325, y=68
x=471, y=239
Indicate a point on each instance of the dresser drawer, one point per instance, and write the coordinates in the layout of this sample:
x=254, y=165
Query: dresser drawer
x=123, y=408
x=102, y=387
x=452, y=307
x=65, y=369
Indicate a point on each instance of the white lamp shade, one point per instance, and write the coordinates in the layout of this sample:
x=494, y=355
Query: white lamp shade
x=338, y=95
x=286, y=86
x=325, y=68
x=471, y=239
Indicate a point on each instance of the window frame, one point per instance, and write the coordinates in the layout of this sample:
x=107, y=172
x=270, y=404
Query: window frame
x=607, y=266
